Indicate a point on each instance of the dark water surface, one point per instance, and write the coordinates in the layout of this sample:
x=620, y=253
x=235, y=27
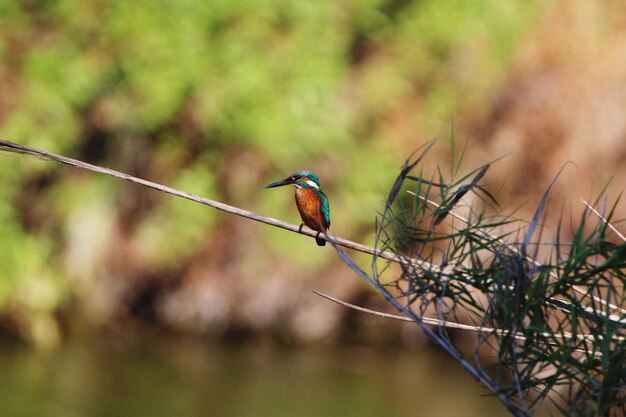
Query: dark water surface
x=172, y=376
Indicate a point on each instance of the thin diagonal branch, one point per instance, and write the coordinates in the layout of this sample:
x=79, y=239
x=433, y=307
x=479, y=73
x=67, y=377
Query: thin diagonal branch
x=454, y=325
x=12, y=147
x=594, y=211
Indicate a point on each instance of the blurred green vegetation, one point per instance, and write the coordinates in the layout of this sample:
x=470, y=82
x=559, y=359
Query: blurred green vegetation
x=218, y=98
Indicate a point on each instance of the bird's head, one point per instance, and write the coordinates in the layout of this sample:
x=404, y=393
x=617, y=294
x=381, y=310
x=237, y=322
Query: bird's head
x=300, y=179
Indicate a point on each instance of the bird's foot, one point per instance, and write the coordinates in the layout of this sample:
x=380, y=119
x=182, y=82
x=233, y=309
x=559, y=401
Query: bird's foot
x=300, y=228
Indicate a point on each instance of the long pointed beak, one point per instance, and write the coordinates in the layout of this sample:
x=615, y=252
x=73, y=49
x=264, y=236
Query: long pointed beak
x=278, y=183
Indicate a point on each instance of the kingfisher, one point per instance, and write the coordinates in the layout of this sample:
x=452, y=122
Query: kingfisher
x=311, y=201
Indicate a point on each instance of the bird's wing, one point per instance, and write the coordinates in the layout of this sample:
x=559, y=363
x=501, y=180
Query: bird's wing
x=325, y=209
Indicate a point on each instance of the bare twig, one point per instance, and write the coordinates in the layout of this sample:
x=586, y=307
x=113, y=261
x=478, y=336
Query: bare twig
x=594, y=211
x=11, y=147
x=454, y=325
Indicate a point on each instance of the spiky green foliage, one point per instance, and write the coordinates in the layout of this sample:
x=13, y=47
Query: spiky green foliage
x=558, y=325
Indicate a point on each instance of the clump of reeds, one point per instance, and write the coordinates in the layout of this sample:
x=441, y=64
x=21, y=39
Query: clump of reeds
x=550, y=309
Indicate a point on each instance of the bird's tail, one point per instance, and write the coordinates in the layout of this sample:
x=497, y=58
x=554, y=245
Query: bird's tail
x=318, y=239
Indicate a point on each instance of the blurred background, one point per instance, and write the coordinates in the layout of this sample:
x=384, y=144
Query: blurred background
x=116, y=300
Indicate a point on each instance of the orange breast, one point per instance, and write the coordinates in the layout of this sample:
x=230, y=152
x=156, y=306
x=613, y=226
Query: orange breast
x=309, y=203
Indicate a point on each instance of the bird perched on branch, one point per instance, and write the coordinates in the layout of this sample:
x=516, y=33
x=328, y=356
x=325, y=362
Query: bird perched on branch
x=311, y=201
